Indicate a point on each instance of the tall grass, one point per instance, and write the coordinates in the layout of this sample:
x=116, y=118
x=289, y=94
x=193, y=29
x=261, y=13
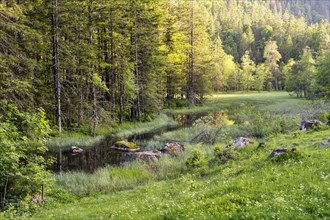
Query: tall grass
x=82, y=142
x=128, y=176
x=162, y=121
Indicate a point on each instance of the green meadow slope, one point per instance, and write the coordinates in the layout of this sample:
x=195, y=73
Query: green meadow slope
x=219, y=182
x=249, y=187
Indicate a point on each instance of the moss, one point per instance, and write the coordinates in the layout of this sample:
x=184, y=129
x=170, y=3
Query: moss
x=126, y=144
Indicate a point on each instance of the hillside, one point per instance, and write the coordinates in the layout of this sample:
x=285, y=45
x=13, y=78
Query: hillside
x=251, y=186
x=312, y=10
x=210, y=180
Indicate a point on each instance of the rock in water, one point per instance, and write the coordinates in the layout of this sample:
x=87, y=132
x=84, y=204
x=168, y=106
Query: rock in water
x=172, y=148
x=305, y=125
x=73, y=150
x=125, y=146
x=241, y=142
x=280, y=151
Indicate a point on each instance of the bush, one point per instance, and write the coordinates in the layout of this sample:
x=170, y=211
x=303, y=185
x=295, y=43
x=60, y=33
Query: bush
x=196, y=160
x=22, y=168
x=180, y=103
x=260, y=124
x=324, y=117
x=223, y=155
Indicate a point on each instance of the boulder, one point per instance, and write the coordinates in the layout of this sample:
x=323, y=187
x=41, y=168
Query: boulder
x=125, y=146
x=142, y=156
x=241, y=142
x=305, y=125
x=74, y=150
x=172, y=148
x=325, y=143
x=280, y=151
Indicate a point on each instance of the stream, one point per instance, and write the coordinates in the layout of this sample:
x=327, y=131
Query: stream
x=101, y=155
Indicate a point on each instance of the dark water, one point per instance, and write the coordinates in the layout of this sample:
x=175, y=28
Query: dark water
x=101, y=154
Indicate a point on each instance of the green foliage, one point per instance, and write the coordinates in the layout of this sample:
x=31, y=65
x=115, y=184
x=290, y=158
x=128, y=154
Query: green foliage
x=261, y=75
x=323, y=116
x=196, y=160
x=248, y=69
x=224, y=154
x=301, y=75
x=22, y=167
x=260, y=124
x=323, y=75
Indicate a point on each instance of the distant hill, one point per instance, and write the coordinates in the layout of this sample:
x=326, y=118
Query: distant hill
x=312, y=10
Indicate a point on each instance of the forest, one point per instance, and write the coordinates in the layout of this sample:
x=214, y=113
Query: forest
x=87, y=69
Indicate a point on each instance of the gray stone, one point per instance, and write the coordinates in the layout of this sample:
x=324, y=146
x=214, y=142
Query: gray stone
x=74, y=150
x=142, y=156
x=280, y=151
x=172, y=148
x=305, y=125
x=325, y=143
x=241, y=142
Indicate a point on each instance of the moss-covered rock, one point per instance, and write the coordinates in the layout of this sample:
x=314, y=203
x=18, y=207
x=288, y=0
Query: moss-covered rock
x=125, y=146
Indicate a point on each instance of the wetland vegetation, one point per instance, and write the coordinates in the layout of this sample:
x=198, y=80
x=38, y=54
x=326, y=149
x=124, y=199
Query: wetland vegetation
x=167, y=109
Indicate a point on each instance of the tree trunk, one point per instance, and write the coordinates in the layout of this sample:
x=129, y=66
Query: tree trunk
x=138, y=107
x=56, y=66
x=90, y=7
x=191, y=61
x=305, y=92
x=69, y=110
x=81, y=99
x=3, y=199
x=169, y=90
x=112, y=68
x=121, y=107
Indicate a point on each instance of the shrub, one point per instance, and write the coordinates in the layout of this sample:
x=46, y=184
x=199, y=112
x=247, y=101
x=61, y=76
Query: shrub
x=323, y=116
x=180, y=103
x=22, y=168
x=261, y=124
x=223, y=155
x=196, y=160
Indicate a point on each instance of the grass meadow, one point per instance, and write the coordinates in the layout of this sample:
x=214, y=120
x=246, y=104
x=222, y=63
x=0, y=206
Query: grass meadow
x=210, y=180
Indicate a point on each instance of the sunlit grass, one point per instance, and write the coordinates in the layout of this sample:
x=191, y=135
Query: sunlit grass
x=65, y=142
x=249, y=187
x=252, y=186
x=161, y=121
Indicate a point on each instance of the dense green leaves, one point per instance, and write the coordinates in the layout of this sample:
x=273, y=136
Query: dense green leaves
x=22, y=166
x=129, y=58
